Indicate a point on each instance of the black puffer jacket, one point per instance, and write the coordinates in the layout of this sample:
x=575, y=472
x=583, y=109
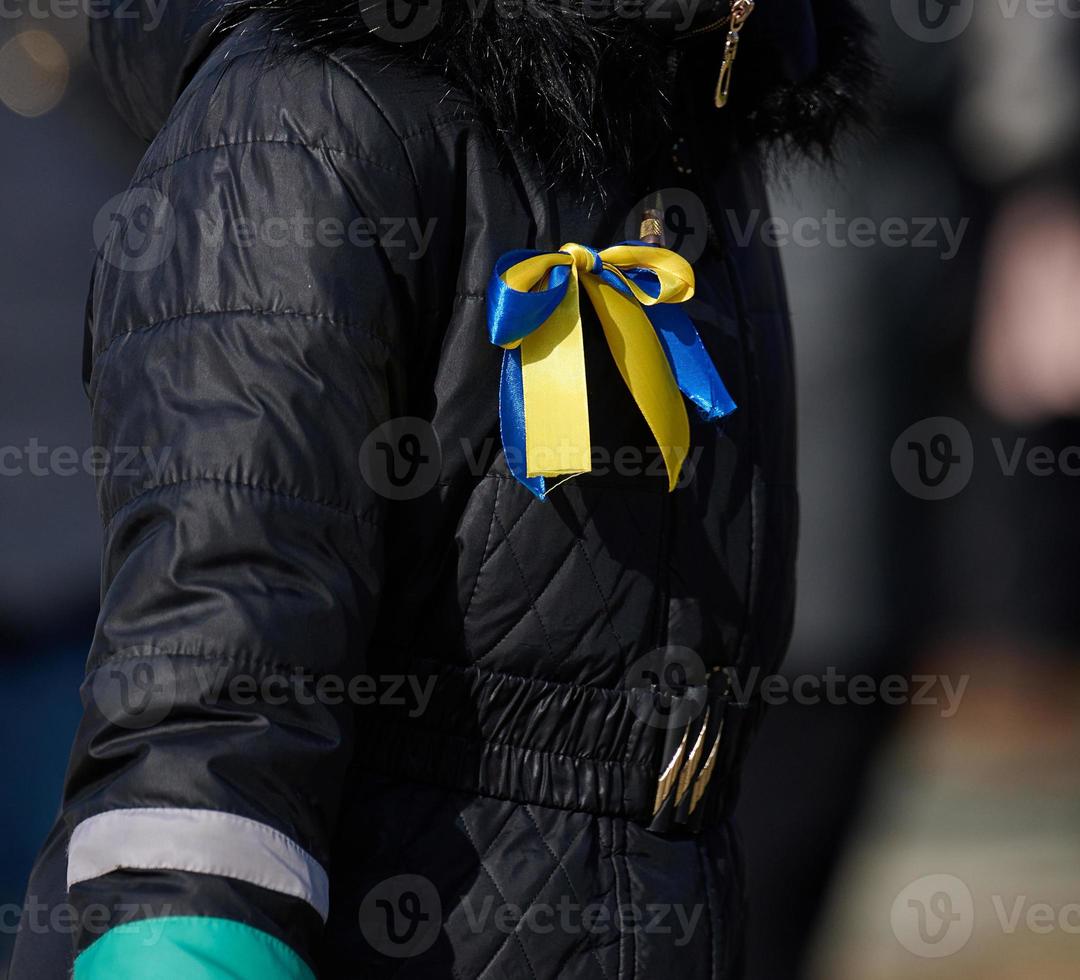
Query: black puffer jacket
x=416, y=702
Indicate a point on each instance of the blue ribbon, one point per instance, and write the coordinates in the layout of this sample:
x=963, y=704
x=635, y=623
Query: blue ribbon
x=513, y=315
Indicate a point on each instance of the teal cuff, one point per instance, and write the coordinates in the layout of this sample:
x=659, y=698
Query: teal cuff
x=189, y=947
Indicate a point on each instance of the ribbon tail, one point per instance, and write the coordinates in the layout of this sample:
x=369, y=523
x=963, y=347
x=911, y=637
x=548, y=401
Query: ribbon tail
x=512, y=423
x=694, y=371
x=645, y=368
x=554, y=394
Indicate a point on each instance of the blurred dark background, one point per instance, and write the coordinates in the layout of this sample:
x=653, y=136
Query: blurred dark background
x=935, y=285
x=63, y=154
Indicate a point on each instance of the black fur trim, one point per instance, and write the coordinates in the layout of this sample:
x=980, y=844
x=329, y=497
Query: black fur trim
x=588, y=95
x=809, y=117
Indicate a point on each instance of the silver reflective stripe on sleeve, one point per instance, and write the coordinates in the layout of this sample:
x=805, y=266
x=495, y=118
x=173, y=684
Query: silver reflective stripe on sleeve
x=204, y=841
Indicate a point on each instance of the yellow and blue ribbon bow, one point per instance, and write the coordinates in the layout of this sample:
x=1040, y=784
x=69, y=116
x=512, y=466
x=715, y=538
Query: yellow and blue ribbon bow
x=534, y=314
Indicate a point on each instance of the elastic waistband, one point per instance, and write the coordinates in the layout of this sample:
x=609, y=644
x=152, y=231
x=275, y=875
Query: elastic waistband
x=664, y=761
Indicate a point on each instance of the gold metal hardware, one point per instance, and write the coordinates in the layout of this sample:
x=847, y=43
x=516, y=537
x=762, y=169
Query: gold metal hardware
x=692, y=761
x=702, y=782
x=740, y=11
x=652, y=227
x=667, y=778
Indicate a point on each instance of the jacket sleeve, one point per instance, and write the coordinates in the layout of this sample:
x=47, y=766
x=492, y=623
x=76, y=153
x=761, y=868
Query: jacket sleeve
x=236, y=373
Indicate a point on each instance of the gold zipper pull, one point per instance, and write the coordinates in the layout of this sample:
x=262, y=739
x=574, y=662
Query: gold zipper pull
x=740, y=10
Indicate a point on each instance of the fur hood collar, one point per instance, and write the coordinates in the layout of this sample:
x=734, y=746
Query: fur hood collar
x=587, y=87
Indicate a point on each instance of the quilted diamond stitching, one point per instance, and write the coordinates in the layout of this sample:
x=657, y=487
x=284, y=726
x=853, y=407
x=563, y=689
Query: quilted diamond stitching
x=482, y=860
x=609, y=618
x=485, y=557
x=532, y=902
x=576, y=544
x=533, y=600
x=566, y=875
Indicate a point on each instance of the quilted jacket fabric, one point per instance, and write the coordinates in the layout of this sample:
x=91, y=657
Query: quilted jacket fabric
x=524, y=753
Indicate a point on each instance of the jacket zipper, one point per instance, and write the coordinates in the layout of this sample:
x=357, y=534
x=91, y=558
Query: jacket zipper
x=740, y=11
x=734, y=21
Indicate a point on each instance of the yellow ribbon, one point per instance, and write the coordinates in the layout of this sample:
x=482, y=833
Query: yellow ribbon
x=553, y=355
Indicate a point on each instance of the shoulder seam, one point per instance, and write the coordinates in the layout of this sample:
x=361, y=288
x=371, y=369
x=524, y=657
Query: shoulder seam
x=332, y=59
